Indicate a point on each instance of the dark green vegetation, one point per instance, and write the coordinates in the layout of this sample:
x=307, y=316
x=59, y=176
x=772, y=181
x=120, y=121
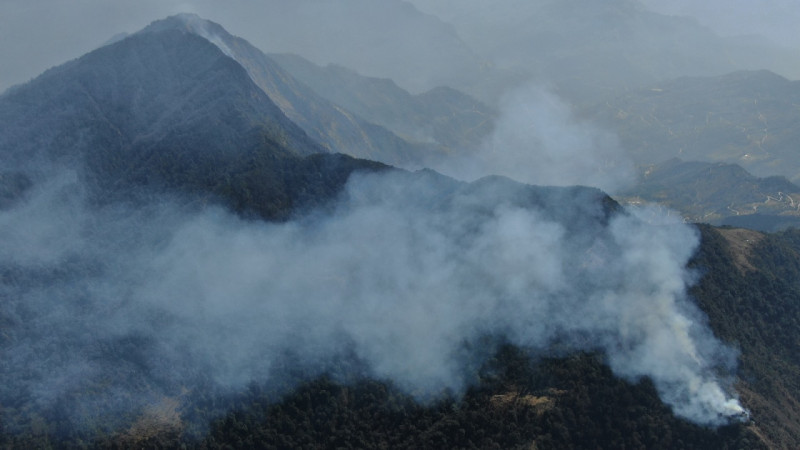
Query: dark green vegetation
x=522, y=403
x=166, y=109
x=749, y=289
x=130, y=96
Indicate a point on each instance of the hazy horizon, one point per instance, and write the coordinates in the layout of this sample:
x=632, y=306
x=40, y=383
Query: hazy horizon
x=45, y=33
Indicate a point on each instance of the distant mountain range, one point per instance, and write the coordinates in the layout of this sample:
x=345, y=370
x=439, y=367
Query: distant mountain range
x=720, y=194
x=335, y=127
x=588, y=49
x=746, y=118
x=442, y=115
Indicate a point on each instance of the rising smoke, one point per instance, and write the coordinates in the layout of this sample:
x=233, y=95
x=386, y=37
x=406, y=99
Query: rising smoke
x=117, y=305
x=104, y=309
x=538, y=140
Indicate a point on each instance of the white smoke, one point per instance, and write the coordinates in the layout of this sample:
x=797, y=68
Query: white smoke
x=407, y=270
x=538, y=140
x=203, y=29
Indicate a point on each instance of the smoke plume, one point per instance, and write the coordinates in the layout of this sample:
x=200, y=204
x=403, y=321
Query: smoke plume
x=118, y=305
x=538, y=140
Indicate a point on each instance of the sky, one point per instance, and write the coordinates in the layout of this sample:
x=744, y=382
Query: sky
x=38, y=34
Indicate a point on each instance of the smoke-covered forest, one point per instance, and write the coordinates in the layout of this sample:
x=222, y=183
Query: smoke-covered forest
x=531, y=225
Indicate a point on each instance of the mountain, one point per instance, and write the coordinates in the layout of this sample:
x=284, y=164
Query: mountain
x=718, y=193
x=443, y=115
x=333, y=126
x=588, y=49
x=125, y=99
x=388, y=39
x=160, y=109
x=745, y=118
x=184, y=265
x=749, y=289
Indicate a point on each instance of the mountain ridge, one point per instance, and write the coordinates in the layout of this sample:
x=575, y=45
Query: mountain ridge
x=131, y=107
x=718, y=193
x=588, y=51
x=745, y=117
x=442, y=115
x=328, y=123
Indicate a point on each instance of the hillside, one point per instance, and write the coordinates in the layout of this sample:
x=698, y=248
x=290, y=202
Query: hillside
x=122, y=101
x=391, y=39
x=745, y=118
x=747, y=288
x=587, y=50
x=329, y=123
x=719, y=194
x=443, y=115
x=185, y=262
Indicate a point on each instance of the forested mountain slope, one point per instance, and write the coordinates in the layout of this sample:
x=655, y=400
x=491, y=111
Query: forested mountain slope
x=168, y=99
x=442, y=115
x=749, y=289
x=183, y=265
x=329, y=123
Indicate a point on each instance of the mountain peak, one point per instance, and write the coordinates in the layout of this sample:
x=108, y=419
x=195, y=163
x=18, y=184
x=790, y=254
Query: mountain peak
x=194, y=24
x=184, y=21
x=337, y=129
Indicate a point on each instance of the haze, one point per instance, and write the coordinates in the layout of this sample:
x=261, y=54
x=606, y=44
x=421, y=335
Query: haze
x=38, y=34
x=439, y=290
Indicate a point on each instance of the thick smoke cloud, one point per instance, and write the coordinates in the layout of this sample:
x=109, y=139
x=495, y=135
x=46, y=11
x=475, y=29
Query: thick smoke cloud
x=119, y=306
x=538, y=140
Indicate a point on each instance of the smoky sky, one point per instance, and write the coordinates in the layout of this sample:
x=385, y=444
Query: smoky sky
x=38, y=34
